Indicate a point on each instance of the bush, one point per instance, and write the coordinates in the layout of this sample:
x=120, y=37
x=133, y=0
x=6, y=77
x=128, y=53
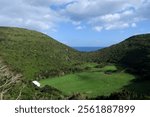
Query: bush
x=78, y=96
x=101, y=65
x=123, y=95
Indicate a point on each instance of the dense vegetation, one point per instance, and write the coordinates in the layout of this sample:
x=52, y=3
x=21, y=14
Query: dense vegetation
x=34, y=55
x=133, y=53
x=65, y=73
x=31, y=52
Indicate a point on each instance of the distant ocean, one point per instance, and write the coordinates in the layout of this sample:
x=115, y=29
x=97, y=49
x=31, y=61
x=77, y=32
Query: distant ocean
x=87, y=49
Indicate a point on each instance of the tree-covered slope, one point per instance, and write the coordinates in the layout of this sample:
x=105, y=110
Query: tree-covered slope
x=32, y=53
x=133, y=53
x=27, y=55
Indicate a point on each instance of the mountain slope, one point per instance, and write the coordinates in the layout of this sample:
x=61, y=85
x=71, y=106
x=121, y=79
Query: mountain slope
x=31, y=52
x=133, y=53
x=27, y=55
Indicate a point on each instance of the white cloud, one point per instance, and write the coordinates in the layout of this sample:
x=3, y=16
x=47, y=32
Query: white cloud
x=47, y=2
x=119, y=25
x=114, y=21
x=110, y=17
x=109, y=14
x=105, y=13
x=76, y=22
x=100, y=15
x=127, y=13
x=133, y=25
x=23, y=14
x=79, y=27
x=98, y=28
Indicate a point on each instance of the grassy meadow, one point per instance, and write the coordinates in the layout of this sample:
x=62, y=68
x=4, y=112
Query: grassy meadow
x=93, y=82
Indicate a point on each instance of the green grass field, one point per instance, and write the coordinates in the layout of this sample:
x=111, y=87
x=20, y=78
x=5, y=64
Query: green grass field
x=91, y=83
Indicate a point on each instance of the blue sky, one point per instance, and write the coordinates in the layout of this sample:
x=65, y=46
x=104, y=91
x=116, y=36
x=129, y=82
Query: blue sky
x=98, y=23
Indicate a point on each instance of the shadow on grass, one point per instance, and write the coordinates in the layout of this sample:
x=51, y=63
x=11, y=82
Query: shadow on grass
x=139, y=86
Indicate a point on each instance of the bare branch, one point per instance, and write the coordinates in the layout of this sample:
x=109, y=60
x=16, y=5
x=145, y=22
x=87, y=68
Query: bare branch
x=20, y=93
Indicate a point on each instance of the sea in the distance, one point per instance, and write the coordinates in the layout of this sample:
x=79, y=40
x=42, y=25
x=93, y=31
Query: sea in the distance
x=87, y=49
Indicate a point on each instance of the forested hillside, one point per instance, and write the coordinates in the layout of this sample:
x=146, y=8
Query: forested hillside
x=133, y=53
x=33, y=55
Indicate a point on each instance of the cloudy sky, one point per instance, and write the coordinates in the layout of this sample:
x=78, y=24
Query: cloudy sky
x=79, y=22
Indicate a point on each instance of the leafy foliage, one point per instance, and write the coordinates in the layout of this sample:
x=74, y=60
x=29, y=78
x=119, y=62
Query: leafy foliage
x=31, y=52
x=133, y=53
x=122, y=95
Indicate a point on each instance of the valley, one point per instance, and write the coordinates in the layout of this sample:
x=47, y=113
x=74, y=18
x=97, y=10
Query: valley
x=92, y=82
x=121, y=71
